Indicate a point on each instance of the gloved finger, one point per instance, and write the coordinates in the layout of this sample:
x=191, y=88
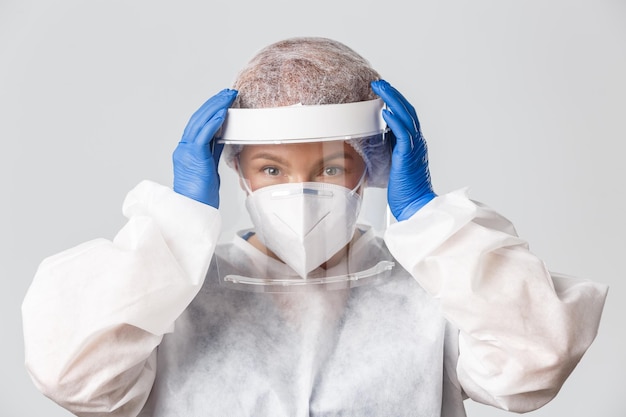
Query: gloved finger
x=397, y=103
x=207, y=132
x=403, y=136
x=404, y=109
x=220, y=101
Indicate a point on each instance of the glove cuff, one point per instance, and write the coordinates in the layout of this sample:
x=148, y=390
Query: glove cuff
x=414, y=206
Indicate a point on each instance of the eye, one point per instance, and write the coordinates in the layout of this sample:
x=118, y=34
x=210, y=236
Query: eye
x=333, y=171
x=271, y=171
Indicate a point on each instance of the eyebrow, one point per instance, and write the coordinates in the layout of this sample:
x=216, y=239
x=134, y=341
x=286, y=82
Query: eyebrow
x=279, y=159
x=270, y=156
x=339, y=154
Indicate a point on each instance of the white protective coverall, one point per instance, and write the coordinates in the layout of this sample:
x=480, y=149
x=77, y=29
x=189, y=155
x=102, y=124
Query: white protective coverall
x=132, y=327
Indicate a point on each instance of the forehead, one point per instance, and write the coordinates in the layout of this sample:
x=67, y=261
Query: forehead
x=301, y=151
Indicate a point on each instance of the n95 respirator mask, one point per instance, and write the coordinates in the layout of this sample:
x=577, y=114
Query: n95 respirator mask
x=304, y=224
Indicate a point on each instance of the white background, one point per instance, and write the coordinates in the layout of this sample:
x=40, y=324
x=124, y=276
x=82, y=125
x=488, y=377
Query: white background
x=524, y=102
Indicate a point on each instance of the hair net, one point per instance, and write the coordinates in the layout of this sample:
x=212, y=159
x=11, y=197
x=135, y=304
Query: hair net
x=312, y=71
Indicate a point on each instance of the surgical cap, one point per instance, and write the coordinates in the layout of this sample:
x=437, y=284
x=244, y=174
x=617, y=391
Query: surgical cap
x=312, y=71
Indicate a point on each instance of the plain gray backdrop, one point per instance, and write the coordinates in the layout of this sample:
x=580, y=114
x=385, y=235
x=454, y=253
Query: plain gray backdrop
x=523, y=102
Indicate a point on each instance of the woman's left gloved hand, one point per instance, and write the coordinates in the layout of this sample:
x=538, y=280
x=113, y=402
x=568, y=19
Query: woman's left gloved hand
x=409, y=186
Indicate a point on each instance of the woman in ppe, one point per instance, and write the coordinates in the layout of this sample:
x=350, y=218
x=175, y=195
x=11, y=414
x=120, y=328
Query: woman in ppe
x=308, y=312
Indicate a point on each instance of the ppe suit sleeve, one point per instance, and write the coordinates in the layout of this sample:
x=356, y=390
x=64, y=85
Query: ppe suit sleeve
x=94, y=314
x=522, y=330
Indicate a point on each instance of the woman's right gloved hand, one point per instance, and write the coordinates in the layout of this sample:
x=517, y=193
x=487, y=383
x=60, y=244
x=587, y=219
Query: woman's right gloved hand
x=196, y=157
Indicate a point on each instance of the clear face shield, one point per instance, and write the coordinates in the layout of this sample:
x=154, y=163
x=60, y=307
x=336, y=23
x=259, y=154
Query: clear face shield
x=313, y=222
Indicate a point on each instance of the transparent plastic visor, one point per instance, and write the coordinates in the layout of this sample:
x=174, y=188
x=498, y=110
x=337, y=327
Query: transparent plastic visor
x=306, y=227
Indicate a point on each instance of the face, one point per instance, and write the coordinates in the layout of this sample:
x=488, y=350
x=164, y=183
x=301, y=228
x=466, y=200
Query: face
x=334, y=162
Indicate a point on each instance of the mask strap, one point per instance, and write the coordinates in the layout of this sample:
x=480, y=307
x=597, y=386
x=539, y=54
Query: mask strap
x=360, y=183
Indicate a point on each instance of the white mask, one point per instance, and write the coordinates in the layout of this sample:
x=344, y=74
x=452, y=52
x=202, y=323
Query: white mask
x=304, y=224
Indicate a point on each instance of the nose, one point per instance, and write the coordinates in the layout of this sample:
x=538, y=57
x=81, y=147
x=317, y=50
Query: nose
x=301, y=176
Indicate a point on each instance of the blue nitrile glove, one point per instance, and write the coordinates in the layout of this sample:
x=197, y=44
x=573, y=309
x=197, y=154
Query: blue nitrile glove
x=409, y=187
x=196, y=157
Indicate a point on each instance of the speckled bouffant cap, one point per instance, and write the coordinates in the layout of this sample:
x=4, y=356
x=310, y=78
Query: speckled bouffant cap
x=304, y=70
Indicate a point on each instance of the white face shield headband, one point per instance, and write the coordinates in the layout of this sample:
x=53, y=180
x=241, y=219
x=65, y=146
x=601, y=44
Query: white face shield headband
x=298, y=123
